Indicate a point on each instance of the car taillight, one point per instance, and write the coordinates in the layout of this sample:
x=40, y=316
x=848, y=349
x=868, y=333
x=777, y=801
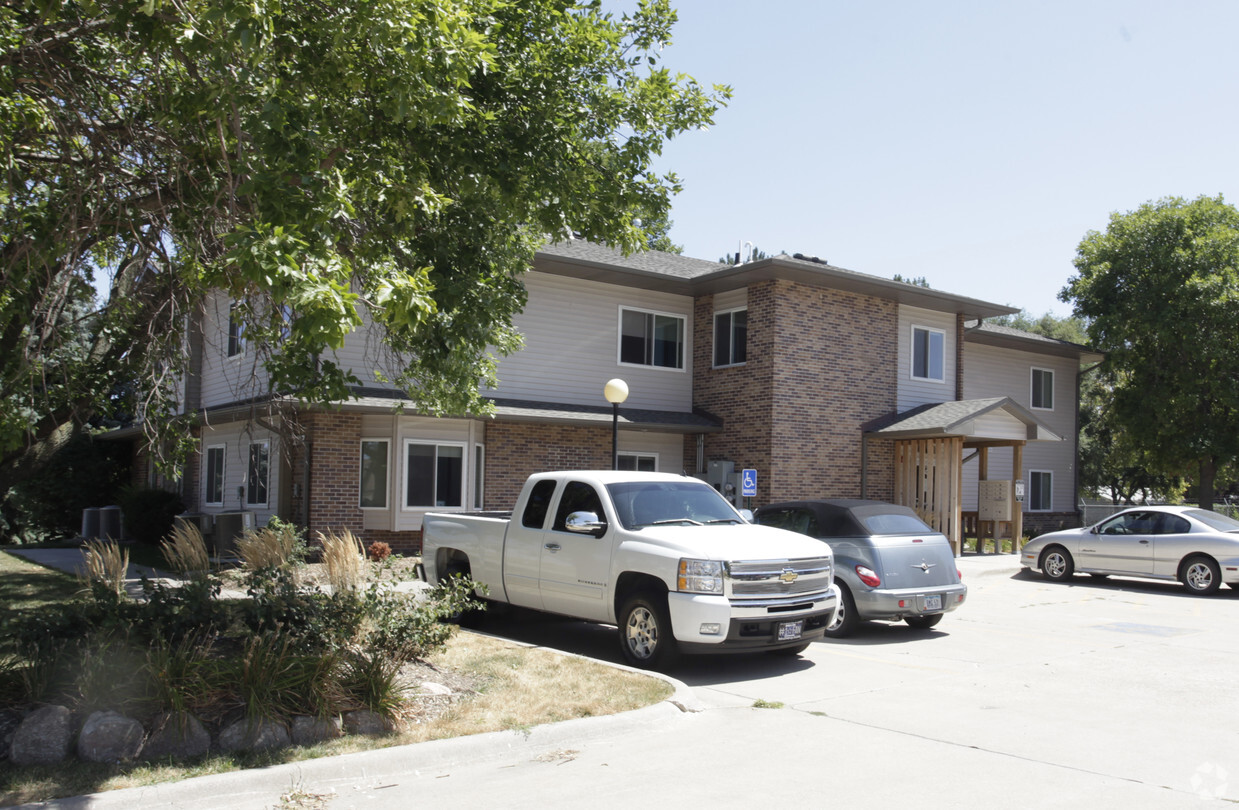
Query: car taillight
x=959, y=574
x=868, y=576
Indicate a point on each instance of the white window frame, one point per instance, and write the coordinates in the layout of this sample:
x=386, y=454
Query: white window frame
x=404, y=475
x=1047, y=491
x=222, y=449
x=386, y=441
x=929, y=332
x=479, y=476
x=266, y=443
x=684, y=339
x=1032, y=388
x=639, y=455
x=731, y=330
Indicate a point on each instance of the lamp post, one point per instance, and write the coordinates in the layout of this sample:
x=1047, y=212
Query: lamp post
x=616, y=391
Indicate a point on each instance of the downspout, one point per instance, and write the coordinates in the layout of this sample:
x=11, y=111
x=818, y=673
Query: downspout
x=864, y=465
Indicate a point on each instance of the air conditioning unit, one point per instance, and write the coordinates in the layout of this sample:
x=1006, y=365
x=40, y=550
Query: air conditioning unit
x=228, y=527
x=719, y=473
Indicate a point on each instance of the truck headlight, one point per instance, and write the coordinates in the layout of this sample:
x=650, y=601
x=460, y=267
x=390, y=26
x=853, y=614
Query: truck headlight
x=700, y=576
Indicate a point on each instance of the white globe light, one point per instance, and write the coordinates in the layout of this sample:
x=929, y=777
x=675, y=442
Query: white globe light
x=616, y=391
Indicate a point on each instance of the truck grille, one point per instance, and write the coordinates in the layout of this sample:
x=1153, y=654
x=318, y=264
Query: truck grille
x=767, y=578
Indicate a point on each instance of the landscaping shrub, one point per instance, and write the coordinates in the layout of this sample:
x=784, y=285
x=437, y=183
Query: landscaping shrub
x=378, y=551
x=149, y=513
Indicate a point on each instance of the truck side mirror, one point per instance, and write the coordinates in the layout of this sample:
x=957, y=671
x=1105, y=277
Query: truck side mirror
x=585, y=523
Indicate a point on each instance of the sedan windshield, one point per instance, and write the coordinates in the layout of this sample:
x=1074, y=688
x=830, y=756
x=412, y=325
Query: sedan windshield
x=687, y=503
x=1214, y=520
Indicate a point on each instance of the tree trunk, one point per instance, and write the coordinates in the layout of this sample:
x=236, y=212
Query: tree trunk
x=1204, y=494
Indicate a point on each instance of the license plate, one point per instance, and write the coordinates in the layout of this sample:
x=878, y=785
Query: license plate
x=790, y=630
x=933, y=602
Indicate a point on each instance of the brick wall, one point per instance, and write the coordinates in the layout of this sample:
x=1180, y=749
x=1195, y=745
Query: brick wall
x=516, y=450
x=821, y=363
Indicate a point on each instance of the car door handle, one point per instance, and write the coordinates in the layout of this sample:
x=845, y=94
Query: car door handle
x=1144, y=542
x=552, y=546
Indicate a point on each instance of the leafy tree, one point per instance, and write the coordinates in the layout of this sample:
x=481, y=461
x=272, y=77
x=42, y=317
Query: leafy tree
x=1071, y=328
x=317, y=160
x=1160, y=291
x=919, y=281
x=658, y=230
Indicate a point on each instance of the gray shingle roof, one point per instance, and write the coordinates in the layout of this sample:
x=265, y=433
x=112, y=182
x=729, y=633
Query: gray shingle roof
x=955, y=419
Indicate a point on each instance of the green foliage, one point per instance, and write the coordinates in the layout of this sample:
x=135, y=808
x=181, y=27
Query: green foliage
x=918, y=281
x=48, y=502
x=1071, y=328
x=1160, y=292
x=149, y=513
x=316, y=162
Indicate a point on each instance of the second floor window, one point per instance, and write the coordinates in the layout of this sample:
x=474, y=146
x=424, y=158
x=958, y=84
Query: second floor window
x=731, y=337
x=1043, y=389
x=651, y=339
x=928, y=351
x=236, y=332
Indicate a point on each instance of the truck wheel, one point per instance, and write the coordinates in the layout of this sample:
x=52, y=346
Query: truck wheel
x=845, y=620
x=645, y=632
x=465, y=618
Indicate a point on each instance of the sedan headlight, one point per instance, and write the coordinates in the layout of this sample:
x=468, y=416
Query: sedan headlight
x=700, y=576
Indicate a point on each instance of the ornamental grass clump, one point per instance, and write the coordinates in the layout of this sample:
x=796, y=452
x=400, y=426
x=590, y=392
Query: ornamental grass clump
x=185, y=551
x=345, y=561
x=268, y=548
x=106, y=565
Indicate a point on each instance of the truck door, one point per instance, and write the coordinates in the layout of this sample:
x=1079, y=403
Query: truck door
x=576, y=567
x=522, y=547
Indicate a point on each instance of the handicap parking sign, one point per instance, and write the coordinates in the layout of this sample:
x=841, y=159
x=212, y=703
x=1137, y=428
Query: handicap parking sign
x=748, y=483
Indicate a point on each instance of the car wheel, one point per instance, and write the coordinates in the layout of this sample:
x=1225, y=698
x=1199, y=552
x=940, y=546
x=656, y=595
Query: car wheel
x=1201, y=575
x=1056, y=564
x=923, y=622
x=845, y=615
x=645, y=632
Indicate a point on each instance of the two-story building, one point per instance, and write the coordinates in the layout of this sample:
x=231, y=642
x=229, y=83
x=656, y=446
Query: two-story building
x=825, y=381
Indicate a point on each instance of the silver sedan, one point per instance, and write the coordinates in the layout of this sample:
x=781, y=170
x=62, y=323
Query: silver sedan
x=1177, y=543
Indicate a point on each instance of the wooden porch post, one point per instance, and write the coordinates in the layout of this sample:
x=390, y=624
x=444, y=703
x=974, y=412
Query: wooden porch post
x=1017, y=518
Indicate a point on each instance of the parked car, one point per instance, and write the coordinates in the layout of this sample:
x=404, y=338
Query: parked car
x=1194, y=546
x=889, y=564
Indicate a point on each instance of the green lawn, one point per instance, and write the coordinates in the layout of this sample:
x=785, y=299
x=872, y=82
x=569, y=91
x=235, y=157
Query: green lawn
x=25, y=586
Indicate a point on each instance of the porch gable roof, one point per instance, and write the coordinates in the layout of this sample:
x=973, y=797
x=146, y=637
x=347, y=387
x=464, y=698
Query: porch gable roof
x=998, y=419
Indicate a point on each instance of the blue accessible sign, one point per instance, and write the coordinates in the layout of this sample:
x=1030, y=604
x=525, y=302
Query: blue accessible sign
x=748, y=483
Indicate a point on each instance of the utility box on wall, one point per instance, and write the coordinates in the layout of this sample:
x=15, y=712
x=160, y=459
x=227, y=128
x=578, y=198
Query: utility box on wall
x=994, y=500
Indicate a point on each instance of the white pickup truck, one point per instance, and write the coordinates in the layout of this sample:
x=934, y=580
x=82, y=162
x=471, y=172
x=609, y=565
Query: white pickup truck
x=664, y=557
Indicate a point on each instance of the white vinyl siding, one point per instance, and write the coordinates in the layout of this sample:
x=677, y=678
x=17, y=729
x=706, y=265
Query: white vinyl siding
x=571, y=333
x=236, y=441
x=913, y=391
x=990, y=371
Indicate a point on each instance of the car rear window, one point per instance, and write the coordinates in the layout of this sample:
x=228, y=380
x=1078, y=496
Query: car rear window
x=1214, y=520
x=895, y=524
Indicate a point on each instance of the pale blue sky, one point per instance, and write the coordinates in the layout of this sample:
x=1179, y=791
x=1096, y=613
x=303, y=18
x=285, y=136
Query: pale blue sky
x=972, y=143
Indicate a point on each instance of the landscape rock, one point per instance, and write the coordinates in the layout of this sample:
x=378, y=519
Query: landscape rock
x=254, y=735
x=312, y=730
x=9, y=721
x=177, y=736
x=43, y=738
x=110, y=737
x=364, y=721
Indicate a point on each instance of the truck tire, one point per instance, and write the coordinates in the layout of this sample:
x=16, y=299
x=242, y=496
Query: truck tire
x=646, y=640
x=465, y=618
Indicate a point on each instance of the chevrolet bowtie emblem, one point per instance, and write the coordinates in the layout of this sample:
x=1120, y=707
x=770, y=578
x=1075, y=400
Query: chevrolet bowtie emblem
x=789, y=576
x=925, y=566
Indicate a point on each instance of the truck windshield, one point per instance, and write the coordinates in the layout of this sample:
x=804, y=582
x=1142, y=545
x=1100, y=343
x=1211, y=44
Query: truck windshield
x=646, y=503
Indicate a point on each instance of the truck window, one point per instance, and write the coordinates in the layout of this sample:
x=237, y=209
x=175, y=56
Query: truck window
x=538, y=505
x=577, y=497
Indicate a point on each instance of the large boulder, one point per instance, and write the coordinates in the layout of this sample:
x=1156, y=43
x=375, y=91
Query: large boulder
x=177, y=736
x=254, y=735
x=313, y=730
x=364, y=721
x=110, y=737
x=43, y=738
